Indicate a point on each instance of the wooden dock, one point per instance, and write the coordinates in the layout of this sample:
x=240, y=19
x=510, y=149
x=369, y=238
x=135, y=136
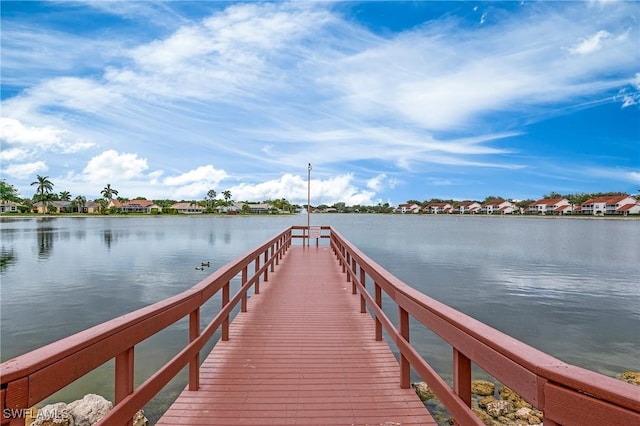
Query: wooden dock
x=302, y=354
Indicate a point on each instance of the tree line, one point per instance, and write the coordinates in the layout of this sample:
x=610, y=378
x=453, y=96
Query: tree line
x=44, y=194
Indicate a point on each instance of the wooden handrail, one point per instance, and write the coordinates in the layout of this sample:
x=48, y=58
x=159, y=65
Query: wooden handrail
x=32, y=377
x=566, y=394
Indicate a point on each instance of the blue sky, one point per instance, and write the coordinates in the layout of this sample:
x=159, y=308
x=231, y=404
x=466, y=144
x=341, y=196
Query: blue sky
x=389, y=101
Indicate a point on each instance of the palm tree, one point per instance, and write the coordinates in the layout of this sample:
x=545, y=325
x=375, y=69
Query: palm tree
x=227, y=196
x=108, y=192
x=80, y=202
x=43, y=191
x=65, y=196
x=211, y=196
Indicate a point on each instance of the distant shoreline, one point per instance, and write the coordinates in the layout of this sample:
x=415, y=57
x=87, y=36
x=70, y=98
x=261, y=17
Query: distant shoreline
x=214, y=215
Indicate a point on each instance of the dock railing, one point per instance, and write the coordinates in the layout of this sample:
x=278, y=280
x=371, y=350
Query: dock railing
x=34, y=376
x=566, y=394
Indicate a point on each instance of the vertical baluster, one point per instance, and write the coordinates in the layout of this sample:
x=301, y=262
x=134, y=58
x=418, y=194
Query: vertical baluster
x=405, y=367
x=363, y=303
x=225, y=321
x=462, y=376
x=194, y=364
x=124, y=376
x=266, y=270
x=272, y=252
x=379, y=303
x=354, y=288
x=255, y=274
x=347, y=265
x=243, y=304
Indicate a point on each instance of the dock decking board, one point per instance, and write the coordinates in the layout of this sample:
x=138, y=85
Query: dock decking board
x=302, y=354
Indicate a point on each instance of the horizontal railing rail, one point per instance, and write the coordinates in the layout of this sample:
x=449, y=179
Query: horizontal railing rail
x=566, y=394
x=30, y=378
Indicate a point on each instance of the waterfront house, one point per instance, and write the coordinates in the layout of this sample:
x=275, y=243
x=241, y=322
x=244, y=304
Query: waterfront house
x=438, y=208
x=257, y=208
x=9, y=207
x=468, y=207
x=134, y=206
x=498, y=206
x=52, y=206
x=610, y=205
x=188, y=208
x=550, y=206
x=407, y=208
x=91, y=207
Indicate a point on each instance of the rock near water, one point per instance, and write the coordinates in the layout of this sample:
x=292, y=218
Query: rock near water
x=83, y=412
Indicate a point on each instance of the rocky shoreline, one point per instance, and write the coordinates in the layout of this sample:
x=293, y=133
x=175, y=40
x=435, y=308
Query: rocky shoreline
x=83, y=412
x=497, y=405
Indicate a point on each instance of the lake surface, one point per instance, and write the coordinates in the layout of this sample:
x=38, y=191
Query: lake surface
x=569, y=287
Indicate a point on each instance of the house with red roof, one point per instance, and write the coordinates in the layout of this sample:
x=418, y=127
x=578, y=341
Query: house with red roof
x=468, y=207
x=438, y=208
x=134, y=206
x=498, y=206
x=550, y=206
x=407, y=208
x=610, y=205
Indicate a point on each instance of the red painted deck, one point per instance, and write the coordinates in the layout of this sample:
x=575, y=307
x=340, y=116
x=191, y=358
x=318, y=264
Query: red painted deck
x=302, y=354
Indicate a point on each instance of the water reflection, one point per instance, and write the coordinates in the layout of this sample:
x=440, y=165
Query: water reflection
x=107, y=237
x=7, y=258
x=45, y=241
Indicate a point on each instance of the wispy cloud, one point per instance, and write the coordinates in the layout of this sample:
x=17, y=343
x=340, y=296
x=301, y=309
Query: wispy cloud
x=252, y=92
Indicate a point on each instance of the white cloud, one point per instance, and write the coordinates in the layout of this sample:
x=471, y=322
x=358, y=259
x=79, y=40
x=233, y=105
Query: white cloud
x=24, y=171
x=207, y=174
x=112, y=166
x=590, y=44
x=294, y=189
x=377, y=183
x=13, y=154
x=38, y=138
x=633, y=177
x=13, y=131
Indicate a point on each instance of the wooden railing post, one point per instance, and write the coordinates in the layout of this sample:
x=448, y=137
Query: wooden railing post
x=378, y=290
x=194, y=364
x=278, y=252
x=347, y=265
x=266, y=260
x=363, y=302
x=255, y=274
x=272, y=252
x=354, y=288
x=462, y=376
x=124, y=376
x=405, y=367
x=243, y=304
x=225, y=302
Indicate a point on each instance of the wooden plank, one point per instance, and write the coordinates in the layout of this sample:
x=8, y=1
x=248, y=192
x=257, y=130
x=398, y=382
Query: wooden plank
x=302, y=354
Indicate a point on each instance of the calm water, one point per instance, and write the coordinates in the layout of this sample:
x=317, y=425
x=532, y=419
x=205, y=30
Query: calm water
x=569, y=287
